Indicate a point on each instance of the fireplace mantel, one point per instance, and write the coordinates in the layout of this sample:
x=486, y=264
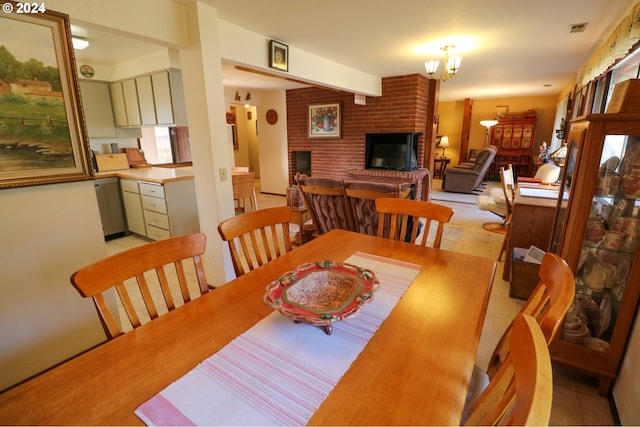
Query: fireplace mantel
x=420, y=177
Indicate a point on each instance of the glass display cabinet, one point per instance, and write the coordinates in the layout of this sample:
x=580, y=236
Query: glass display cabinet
x=596, y=232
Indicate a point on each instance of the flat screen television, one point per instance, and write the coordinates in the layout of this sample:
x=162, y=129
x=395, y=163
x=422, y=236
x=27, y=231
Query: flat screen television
x=392, y=151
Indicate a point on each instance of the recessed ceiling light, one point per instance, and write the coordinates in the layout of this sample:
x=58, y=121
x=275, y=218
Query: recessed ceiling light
x=578, y=28
x=79, y=43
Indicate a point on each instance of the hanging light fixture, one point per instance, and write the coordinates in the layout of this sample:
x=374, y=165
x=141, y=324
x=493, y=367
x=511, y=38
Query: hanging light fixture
x=451, y=65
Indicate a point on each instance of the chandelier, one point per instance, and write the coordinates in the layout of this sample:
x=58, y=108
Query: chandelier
x=451, y=65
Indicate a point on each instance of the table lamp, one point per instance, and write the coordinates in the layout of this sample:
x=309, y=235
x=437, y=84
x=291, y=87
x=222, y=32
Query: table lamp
x=444, y=143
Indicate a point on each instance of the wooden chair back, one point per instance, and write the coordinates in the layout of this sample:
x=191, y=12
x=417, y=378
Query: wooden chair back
x=244, y=189
x=521, y=392
x=361, y=196
x=509, y=190
x=153, y=271
x=324, y=197
x=508, y=186
x=407, y=218
x=548, y=304
x=257, y=237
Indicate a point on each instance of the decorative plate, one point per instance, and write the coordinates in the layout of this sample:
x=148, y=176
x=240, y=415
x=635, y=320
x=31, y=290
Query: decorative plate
x=321, y=293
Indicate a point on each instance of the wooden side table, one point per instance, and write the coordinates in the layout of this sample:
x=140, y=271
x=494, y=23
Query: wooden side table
x=299, y=216
x=439, y=166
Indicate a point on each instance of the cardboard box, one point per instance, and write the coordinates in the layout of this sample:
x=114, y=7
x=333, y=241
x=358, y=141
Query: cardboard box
x=524, y=275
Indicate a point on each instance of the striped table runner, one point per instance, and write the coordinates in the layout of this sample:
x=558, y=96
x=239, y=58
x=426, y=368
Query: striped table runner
x=278, y=372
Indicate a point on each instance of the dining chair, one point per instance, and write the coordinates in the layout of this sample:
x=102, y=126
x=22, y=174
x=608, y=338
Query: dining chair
x=257, y=237
x=521, y=392
x=324, y=197
x=548, y=304
x=360, y=197
x=160, y=273
x=408, y=219
x=509, y=193
x=498, y=201
x=244, y=189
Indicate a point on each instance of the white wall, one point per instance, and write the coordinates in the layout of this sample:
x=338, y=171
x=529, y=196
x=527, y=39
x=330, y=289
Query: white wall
x=626, y=390
x=273, y=143
x=48, y=232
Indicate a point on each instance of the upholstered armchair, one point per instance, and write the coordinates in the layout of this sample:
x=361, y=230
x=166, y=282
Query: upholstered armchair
x=466, y=177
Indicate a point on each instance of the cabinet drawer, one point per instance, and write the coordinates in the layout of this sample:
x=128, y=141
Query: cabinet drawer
x=156, y=233
x=129, y=185
x=156, y=219
x=154, y=204
x=153, y=190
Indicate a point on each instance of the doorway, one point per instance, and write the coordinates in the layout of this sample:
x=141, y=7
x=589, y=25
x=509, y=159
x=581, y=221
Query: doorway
x=245, y=137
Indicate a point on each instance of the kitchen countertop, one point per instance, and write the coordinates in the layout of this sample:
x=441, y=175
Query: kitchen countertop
x=152, y=174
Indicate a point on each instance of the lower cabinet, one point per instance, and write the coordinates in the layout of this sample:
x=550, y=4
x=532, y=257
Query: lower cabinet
x=162, y=210
x=133, y=206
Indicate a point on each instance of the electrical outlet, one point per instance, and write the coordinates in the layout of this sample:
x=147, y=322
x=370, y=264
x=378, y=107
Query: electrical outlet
x=223, y=174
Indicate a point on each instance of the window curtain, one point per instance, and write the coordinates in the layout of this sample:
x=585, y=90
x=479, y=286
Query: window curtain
x=616, y=47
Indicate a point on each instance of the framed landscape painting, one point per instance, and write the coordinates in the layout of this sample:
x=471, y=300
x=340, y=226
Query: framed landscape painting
x=43, y=138
x=324, y=120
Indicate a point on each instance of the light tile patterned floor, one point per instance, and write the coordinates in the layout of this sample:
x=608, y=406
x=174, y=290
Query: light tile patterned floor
x=575, y=401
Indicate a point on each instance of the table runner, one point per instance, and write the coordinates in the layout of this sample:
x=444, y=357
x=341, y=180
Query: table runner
x=278, y=372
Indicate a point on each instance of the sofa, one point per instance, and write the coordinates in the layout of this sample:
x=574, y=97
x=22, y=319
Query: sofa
x=466, y=177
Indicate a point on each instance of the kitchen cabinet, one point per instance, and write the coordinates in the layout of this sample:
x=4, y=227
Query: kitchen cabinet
x=598, y=236
x=150, y=99
x=145, y=100
x=133, y=206
x=98, y=113
x=117, y=102
x=160, y=210
x=170, y=209
x=131, y=104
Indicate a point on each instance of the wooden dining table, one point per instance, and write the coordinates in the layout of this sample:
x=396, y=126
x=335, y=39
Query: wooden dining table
x=415, y=369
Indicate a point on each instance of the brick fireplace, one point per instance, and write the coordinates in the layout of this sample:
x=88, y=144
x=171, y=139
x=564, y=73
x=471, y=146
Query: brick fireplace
x=403, y=107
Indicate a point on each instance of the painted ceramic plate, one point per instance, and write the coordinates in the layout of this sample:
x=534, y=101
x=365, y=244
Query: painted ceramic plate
x=322, y=292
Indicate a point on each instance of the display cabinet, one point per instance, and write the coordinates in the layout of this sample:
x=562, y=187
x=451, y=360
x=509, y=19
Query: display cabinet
x=596, y=232
x=514, y=136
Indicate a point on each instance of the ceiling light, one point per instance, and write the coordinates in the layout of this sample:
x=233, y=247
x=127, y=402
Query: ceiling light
x=451, y=65
x=79, y=43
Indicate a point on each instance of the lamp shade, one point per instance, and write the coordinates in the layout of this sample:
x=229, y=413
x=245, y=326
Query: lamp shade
x=488, y=123
x=444, y=141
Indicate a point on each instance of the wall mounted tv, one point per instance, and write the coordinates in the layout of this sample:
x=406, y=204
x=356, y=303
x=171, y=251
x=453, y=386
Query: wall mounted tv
x=393, y=151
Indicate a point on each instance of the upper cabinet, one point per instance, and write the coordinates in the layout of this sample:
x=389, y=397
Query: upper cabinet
x=97, y=109
x=151, y=99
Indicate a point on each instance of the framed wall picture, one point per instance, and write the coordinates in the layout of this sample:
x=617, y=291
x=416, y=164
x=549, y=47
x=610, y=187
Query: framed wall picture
x=324, y=120
x=278, y=55
x=501, y=111
x=43, y=137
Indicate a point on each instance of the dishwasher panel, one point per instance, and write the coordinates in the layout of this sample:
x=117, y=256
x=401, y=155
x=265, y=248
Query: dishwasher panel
x=110, y=206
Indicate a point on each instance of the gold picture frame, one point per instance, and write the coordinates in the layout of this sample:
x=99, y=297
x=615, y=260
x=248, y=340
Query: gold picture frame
x=278, y=55
x=43, y=139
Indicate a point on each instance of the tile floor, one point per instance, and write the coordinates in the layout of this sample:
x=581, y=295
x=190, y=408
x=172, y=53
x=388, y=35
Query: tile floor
x=575, y=400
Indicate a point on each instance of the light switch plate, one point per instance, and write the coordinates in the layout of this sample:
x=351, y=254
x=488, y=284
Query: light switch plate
x=223, y=174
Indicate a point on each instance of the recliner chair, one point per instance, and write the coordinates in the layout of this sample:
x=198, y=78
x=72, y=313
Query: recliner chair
x=464, y=179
